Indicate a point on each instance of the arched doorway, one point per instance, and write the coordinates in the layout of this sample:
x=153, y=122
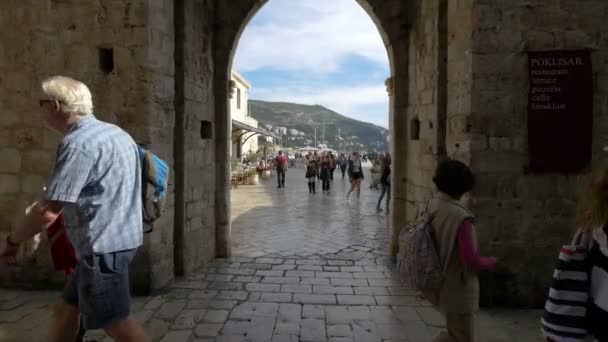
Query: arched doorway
x=224, y=55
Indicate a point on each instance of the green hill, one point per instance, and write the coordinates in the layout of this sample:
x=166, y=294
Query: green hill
x=341, y=133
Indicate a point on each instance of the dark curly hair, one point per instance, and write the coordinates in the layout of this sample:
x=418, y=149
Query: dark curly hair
x=453, y=177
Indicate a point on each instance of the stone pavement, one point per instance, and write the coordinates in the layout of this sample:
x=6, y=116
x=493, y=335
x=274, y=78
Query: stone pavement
x=305, y=268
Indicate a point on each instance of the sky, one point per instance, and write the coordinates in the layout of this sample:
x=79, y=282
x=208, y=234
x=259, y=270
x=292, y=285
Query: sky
x=326, y=52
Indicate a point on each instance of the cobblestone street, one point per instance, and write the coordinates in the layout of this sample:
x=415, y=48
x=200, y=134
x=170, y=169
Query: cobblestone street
x=305, y=268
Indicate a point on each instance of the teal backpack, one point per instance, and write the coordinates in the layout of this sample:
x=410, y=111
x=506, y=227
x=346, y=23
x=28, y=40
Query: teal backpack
x=155, y=177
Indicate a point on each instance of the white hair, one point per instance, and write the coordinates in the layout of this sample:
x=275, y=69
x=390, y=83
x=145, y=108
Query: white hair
x=74, y=96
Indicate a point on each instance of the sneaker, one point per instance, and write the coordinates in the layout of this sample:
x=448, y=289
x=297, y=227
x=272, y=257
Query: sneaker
x=379, y=210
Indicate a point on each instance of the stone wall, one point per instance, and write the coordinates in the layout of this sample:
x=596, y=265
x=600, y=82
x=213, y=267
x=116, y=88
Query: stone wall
x=153, y=267
x=423, y=104
x=199, y=184
x=522, y=218
x=43, y=38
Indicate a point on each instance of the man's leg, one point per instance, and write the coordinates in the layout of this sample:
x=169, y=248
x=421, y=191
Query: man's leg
x=127, y=330
x=64, y=322
x=283, y=178
x=388, y=197
x=66, y=313
x=461, y=327
x=381, y=197
x=279, y=171
x=107, y=304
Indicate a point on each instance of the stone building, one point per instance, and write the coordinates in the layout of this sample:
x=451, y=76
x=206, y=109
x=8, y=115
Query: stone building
x=161, y=69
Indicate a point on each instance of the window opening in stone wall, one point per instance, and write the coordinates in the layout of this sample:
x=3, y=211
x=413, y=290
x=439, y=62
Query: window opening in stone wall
x=415, y=129
x=206, y=129
x=106, y=60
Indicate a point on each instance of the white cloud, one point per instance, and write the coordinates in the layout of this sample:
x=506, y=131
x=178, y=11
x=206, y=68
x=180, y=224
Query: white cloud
x=311, y=35
x=367, y=102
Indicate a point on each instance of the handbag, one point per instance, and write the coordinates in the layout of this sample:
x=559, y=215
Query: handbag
x=565, y=316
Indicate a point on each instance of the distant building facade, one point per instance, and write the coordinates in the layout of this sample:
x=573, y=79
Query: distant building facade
x=243, y=141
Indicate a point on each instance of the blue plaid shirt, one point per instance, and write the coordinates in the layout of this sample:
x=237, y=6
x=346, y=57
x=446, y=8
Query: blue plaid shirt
x=97, y=176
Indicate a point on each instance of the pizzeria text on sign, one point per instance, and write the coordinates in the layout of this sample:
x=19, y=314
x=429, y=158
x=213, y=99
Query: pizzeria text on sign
x=546, y=73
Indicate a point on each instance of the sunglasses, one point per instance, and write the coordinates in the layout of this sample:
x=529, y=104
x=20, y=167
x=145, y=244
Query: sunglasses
x=44, y=101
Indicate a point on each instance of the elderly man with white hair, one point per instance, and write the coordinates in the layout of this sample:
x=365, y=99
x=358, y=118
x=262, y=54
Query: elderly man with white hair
x=96, y=183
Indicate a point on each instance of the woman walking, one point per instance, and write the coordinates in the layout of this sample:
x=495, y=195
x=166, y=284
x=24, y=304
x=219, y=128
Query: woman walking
x=593, y=222
x=311, y=175
x=332, y=162
x=385, y=182
x=326, y=172
x=343, y=164
x=355, y=172
x=452, y=222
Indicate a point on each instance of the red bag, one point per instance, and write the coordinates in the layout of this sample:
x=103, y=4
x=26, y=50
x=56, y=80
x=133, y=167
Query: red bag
x=62, y=251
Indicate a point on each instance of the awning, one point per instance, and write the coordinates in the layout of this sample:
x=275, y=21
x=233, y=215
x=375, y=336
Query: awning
x=247, y=128
x=307, y=149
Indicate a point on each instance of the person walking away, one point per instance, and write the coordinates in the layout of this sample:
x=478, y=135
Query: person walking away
x=593, y=222
x=317, y=159
x=332, y=161
x=355, y=173
x=376, y=173
x=260, y=168
x=96, y=185
x=311, y=176
x=343, y=164
x=281, y=165
x=385, y=182
x=453, y=229
x=326, y=173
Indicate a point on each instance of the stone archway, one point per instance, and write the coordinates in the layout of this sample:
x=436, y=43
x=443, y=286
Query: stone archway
x=166, y=83
x=385, y=15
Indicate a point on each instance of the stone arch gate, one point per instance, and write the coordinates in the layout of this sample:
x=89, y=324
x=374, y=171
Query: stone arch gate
x=160, y=70
x=393, y=24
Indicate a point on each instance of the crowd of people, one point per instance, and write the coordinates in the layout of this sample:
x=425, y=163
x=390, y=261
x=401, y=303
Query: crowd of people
x=321, y=167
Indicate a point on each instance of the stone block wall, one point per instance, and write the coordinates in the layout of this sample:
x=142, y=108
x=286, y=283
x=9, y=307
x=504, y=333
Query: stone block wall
x=43, y=38
x=153, y=267
x=199, y=194
x=522, y=218
x=423, y=105
x=459, y=80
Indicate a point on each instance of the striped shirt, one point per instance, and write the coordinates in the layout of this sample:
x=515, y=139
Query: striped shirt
x=598, y=306
x=97, y=176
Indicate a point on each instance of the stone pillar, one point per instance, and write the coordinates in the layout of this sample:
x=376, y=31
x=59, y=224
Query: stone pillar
x=223, y=143
x=392, y=138
x=399, y=143
x=231, y=17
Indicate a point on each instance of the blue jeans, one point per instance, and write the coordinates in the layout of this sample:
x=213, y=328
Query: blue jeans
x=386, y=190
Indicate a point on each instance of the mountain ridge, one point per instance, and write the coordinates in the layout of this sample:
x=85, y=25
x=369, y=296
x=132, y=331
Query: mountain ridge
x=341, y=132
